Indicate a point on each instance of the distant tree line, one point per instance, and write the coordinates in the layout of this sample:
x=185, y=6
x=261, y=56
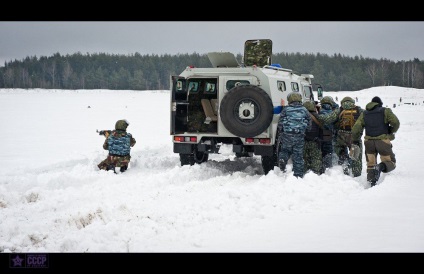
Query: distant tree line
x=152, y=72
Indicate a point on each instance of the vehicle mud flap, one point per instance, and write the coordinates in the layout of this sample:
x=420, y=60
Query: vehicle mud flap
x=196, y=157
x=246, y=111
x=186, y=159
x=267, y=164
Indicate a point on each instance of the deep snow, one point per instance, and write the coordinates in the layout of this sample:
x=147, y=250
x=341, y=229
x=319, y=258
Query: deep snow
x=53, y=198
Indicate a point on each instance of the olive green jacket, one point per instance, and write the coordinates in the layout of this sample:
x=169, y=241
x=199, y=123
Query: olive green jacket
x=389, y=118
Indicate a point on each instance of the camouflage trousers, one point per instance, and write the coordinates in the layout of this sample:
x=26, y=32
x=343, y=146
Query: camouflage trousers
x=292, y=145
x=327, y=155
x=342, y=151
x=313, y=157
x=113, y=161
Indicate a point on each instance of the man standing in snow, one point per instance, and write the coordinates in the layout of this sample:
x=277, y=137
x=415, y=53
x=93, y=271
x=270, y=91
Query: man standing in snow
x=294, y=120
x=312, y=154
x=327, y=106
x=119, y=144
x=380, y=125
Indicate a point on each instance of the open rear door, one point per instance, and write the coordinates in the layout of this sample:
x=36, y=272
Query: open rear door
x=178, y=105
x=257, y=52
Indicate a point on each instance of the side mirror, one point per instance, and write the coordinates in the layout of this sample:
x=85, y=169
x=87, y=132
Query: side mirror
x=320, y=92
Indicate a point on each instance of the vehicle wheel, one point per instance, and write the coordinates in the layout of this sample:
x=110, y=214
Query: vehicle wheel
x=200, y=157
x=246, y=111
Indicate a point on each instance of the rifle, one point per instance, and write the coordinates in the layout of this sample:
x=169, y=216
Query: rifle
x=106, y=133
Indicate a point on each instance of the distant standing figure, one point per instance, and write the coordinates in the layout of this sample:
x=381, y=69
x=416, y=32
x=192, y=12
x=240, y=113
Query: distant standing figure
x=380, y=125
x=356, y=99
x=337, y=99
x=294, y=120
x=400, y=99
x=119, y=144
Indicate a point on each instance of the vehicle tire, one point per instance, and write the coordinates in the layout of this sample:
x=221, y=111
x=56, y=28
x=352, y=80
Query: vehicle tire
x=200, y=157
x=236, y=111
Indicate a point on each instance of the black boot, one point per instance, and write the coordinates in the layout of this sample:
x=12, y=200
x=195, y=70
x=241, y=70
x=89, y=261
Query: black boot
x=371, y=177
x=282, y=165
x=378, y=169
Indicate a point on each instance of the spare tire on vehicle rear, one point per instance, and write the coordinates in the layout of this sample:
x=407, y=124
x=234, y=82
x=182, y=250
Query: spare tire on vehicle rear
x=246, y=111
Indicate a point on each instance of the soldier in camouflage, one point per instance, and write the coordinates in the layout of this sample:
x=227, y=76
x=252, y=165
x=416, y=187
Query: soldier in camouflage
x=344, y=118
x=380, y=125
x=292, y=125
x=312, y=154
x=119, y=144
x=348, y=115
x=327, y=106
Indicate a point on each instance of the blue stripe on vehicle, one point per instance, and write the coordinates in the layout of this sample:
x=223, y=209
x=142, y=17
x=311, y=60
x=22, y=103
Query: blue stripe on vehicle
x=277, y=109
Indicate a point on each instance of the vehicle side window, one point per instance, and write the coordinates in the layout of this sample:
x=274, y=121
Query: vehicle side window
x=281, y=85
x=210, y=88
x=193, y=87
x=232, y=83
x=295, y=86
x=308, y=92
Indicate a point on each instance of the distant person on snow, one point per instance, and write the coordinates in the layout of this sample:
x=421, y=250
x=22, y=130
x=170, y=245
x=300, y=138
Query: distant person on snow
x=380, y=125
x=119, y=144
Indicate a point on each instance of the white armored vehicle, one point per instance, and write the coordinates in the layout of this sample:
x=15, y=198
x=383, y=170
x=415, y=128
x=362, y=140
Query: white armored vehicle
x=233, y=104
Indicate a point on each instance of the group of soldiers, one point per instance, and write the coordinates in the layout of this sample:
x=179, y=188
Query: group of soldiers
x=315, y=135
x=318, y=135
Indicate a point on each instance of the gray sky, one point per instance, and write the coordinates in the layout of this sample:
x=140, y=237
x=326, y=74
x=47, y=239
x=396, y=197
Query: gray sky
x=393, y=40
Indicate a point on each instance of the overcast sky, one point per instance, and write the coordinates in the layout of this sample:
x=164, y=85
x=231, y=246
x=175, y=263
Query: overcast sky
x=393, y=40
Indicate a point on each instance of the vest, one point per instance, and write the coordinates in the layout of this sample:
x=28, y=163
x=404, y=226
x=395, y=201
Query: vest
x=347, y=118
x=374, y=122
x=119, y=143
x=315, y=131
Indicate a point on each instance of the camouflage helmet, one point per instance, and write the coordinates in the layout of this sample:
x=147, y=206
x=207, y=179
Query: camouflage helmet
x=348, y=99
x=121, y=125
x=294, y=97
x=327, y=100
x=310, y=106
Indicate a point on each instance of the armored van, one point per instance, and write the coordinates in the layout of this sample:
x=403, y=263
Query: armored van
x=234, y=104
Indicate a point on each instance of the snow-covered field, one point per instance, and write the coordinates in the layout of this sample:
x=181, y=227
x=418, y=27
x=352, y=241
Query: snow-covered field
x=53, y=198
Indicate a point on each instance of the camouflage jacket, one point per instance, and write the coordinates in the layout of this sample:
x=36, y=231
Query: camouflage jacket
x=389, y=118
x=294, y=118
